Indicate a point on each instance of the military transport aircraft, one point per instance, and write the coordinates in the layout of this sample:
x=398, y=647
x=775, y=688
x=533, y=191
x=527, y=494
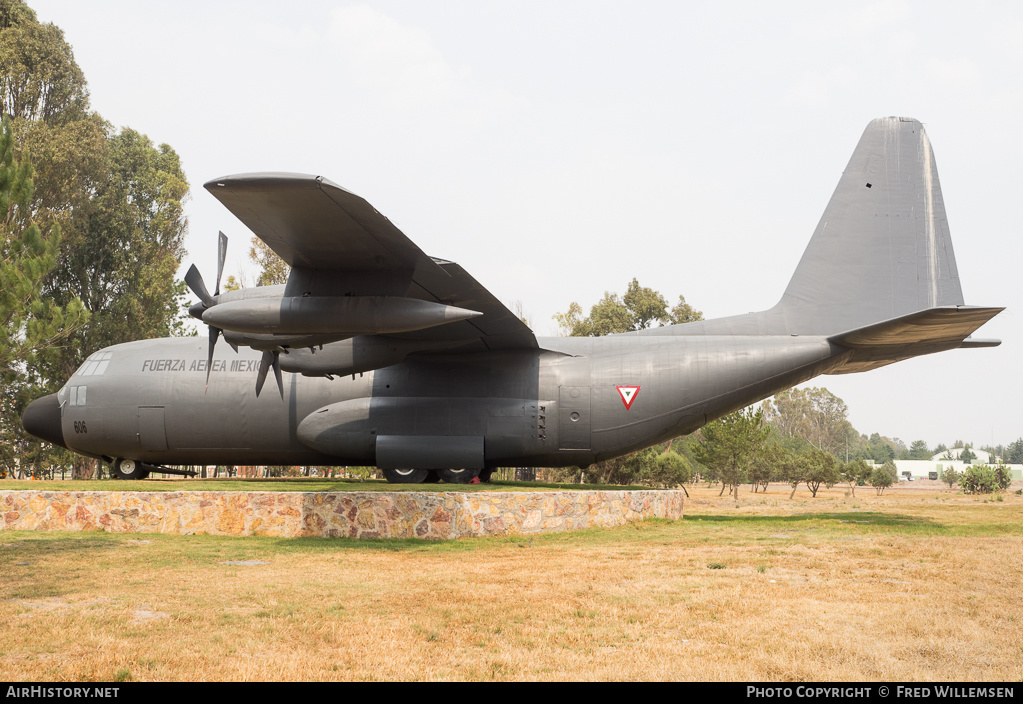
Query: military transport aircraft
x=403, y=361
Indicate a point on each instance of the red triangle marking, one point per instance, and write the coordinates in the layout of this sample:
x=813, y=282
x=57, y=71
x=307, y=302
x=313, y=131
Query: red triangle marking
x=628, y=393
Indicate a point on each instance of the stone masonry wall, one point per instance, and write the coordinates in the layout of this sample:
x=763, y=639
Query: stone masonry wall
x=436, y=515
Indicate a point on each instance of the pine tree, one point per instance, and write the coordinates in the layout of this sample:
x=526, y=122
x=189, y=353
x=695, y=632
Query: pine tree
x=33, y=327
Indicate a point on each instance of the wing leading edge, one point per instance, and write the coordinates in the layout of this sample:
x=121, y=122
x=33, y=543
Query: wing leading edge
x=337, y=244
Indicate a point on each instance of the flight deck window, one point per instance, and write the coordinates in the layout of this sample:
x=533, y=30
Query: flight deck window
x=95, y=365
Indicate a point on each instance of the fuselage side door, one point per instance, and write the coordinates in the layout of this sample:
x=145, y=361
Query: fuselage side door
x=152, y=428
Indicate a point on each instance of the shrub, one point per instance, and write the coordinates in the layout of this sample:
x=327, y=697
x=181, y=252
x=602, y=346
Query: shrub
x=980, y=479
x=950, y=477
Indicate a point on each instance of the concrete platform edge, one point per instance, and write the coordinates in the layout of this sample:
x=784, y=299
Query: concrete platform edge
x=442, y=515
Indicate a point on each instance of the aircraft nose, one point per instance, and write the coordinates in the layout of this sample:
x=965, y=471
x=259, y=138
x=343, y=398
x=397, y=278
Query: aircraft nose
x=42, y=419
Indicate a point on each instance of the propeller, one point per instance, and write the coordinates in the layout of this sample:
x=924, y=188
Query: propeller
x=194, y=281
x=271, y=358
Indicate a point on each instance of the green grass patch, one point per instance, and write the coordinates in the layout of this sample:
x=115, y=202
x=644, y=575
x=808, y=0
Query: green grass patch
x=865, y=522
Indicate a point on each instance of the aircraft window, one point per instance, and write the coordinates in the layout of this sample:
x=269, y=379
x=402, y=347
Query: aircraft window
x=95, y=365
x=77, y=396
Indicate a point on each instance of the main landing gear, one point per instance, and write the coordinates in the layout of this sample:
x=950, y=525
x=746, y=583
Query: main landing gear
x=430, y=476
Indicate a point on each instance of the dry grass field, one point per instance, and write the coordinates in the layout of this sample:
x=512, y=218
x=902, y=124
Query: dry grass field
x=918, y=584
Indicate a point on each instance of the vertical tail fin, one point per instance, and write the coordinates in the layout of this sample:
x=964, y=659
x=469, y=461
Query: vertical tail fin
x=882, y=249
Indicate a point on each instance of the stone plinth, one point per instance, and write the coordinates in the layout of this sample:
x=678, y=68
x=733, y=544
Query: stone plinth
x=421, y=514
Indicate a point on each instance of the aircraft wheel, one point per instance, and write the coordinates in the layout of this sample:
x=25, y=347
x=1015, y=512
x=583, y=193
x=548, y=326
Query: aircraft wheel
x=458, y=476
x=406, y=476
x=485, y=475
x=129, y=469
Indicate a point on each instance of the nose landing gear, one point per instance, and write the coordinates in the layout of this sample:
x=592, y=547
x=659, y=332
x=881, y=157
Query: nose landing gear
x=123, y=468
x=129, y=469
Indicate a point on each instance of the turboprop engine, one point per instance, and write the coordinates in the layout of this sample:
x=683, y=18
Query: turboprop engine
x=335, y=315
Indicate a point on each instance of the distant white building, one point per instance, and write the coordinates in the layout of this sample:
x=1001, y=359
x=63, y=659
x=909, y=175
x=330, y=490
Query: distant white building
x=933, y=468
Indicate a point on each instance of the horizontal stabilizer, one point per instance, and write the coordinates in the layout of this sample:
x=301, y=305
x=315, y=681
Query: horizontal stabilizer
x=944, y=324
x=971, y=342
x=923, y=332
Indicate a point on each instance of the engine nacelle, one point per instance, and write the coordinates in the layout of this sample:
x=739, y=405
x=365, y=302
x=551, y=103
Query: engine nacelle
x=339, y=315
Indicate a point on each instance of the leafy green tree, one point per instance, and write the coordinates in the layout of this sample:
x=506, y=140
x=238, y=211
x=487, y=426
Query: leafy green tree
x=40, y=79
x=821, y=469
x=1014, y=453
x=793, y=470
x=881, y=449
x=1003, y=476
x=950, y=476
x=630, y=469
x=881, y=479
x=670, y=470
x=731, y=445
x=638, y=309
x=654, y=466
x=919, y=450
x=967, y=455
x=116, y=198
x=272, y=269
x=769, y=465
x=34, y=327
x=124, y=265
x=855, y=472
x=815, y=415
x=893, y=471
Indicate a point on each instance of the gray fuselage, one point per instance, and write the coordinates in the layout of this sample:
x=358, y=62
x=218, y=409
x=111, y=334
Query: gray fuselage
x=556, y=406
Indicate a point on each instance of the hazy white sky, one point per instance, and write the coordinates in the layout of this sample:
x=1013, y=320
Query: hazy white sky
x=558, y=149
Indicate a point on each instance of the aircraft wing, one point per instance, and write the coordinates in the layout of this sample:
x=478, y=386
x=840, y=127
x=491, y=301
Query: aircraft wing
x=497, y=328
x=339, y=245
x=313, y=223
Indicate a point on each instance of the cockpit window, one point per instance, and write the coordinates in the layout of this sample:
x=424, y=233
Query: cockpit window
x=77, y=396
x=95, y=365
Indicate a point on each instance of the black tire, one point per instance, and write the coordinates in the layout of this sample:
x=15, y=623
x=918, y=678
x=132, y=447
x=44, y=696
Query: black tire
x=485, y=475
x=128, y=469
x=406, y=476
x=458, y=476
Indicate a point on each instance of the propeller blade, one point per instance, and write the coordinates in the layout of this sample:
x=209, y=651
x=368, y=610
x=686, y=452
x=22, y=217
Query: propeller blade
x=194, y=281
x=270, y=358
x=221, y=258
x=264, y=367
x=214, y=334
x=277, y=373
